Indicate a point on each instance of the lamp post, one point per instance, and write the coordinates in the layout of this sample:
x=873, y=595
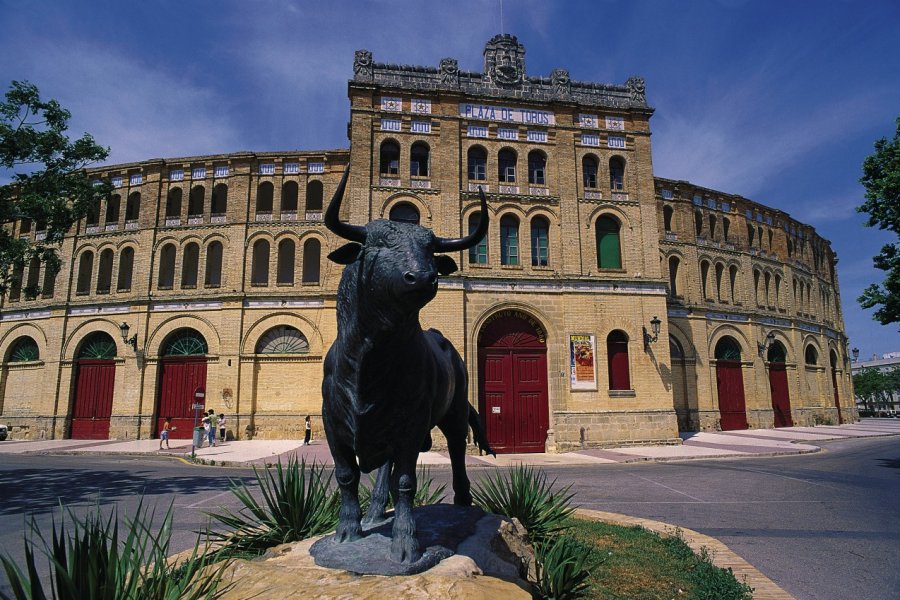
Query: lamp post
x=131, y=341
x=655, y=324
x=764, y=347
x=855, y=354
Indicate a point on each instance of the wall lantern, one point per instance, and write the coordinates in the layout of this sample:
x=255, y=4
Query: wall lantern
x=131, y=341
x=855, y=354
x=764, y=347
x=654, y=327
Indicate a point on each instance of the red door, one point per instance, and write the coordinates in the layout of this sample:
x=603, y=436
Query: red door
x=730, y=385
x=513, y=385
x=94, y=383
x=781, y=402
x=179, y=379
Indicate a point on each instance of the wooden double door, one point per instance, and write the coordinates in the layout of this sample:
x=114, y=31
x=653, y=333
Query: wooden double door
x=512, y=395
x=781, y=401
x=180, y=377
x=730, y=387
x=92, y=407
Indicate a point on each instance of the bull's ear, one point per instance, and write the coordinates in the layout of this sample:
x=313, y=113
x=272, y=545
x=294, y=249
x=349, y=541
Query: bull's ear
x=445, y=264
x=346, y=254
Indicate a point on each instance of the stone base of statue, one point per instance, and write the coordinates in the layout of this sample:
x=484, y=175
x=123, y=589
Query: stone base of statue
x=471, y=555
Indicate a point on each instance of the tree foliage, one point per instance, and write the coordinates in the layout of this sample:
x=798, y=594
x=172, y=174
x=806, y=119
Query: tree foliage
x=44, y=179
x=876, y=386
x=881, y=178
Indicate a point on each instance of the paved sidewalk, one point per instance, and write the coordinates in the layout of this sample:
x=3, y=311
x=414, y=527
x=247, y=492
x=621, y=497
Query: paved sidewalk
x=719, y=444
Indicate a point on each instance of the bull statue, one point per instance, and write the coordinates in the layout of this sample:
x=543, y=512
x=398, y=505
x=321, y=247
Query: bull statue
x=387, y=382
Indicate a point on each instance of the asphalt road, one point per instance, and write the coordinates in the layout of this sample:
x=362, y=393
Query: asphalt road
x=823, y=526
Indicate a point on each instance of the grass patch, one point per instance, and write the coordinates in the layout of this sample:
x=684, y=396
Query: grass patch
x=629, y=563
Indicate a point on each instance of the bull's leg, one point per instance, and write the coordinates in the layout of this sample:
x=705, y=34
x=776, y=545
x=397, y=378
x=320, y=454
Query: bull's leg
x=456, y=447
x=404, y=545
x=347, y=475
x=379, y=494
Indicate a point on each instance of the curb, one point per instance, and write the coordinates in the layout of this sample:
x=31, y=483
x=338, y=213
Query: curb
x=720, y=554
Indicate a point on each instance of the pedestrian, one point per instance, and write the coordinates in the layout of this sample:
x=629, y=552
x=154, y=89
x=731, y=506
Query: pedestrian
x=164, y=434
x=308, y=433
x=208, y=428
x=220, y=423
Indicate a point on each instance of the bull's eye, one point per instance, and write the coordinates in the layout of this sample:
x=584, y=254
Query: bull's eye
x=391, y=238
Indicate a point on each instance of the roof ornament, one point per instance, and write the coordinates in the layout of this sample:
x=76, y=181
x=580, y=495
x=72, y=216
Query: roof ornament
x=636, y=90
x=562, y=84
x=450, y=72
x=362, y=66
x=504, y=61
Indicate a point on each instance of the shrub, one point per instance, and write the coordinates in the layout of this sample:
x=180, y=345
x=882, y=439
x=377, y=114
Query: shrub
x=92, y=561
x=561, y=572
x=297, y=503
x=524, y=493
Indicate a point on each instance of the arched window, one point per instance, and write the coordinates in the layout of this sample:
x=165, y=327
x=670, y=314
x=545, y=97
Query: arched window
x=85, y=272
x=720, y=291
x=776, y=353
x=166, y=278
x=196, y=201
x=540, y=242
x=509, y=240
x=126, y=267
x=34, y=278
x=312, y=255
x=290, y=192
x=404, y=212
x=617, y=361
x=314, y=196
x=15, y=286
x=97, y=345
x=712, y=227
x=704, y=280
x=418, y=160
x=133, y=207
x=477, y=158
x=213, y=275
x=173, y=203
x=725, y=225
x=104, y=272
x=389, y=158
x=24, y=349
x=286, y=259
x=811, y=355
x=113, y=204
x=478, y=254
x=537, y=165
x=219, y=204
x=265, y=192
x=733, y=272
x=589, y=168
x=673, y=275
x=668, y=212
x=609, y=253
x=25, y=226
x=676, y=350
x=728, y=349
x=616, y=173
x=185, y=342
x=750, y=233
x=756, y=280
x=698, y=222
x=259, y=272
x=283, y=339
x=49, y=286
x=190, y=264
x=93, y=214
x=506, y=165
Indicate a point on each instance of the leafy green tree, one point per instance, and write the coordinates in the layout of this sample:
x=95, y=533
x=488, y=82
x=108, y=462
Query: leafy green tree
x=876, y=387
x=881, y=178
x=44, y=180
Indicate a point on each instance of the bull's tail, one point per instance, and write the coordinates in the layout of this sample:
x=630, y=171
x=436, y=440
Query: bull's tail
x=478, y=432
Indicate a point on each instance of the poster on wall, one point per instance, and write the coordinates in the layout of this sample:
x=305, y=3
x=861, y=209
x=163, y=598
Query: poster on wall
x=583, y=372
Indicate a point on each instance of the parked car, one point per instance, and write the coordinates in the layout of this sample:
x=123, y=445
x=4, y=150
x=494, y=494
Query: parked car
x=4, y=432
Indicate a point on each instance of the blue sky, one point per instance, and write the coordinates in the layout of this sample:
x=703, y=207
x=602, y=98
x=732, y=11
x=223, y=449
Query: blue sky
x=779, y=101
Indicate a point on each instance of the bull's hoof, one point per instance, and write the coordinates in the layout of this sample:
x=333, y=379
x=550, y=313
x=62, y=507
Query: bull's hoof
x=348, y=533
x=462, y=499
x=405, y=549
x=374, y=518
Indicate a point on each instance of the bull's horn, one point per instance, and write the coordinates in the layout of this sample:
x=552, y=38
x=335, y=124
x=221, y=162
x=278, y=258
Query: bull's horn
x=332, y=220
x=450, y=244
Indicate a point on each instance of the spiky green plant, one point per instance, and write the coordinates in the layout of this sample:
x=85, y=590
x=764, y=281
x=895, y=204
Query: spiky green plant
x=426, y=492
x=561, y=573
x=526, y=494
x=94, y=561
x=297, y=503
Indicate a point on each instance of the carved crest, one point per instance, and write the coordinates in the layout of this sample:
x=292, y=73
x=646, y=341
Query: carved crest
x=450, y=72
x=635, y=87
x=504, y=60
x=562, y=84
x=362, y=65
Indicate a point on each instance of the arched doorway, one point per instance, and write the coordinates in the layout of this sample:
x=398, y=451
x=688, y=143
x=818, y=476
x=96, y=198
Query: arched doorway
x=730, y=385
x=834, y=386
x=182, y=372
x=778, y=384
x=512, y=382
x=680, y=394
x=95, y=377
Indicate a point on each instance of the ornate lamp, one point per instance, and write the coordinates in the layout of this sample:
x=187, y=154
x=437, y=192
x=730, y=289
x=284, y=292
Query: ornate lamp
x=131, y=341
x=655, y=324
x=855, y=354
x=764, y=347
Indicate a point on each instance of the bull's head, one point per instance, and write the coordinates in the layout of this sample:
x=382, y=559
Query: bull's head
x=401, y=260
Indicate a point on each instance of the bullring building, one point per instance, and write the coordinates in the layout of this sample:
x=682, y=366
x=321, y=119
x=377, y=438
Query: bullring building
x=605, y=306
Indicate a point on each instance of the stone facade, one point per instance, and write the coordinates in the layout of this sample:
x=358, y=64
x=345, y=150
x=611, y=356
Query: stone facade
x=231, y=249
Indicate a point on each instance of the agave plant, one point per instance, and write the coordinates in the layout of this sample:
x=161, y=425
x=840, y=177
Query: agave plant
x=561, y=574
x=297, y=503
x=426, y=492
x=524, y=493
x=95, y=560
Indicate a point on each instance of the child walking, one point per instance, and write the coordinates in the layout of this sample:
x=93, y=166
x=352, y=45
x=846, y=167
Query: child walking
x=164, y=434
